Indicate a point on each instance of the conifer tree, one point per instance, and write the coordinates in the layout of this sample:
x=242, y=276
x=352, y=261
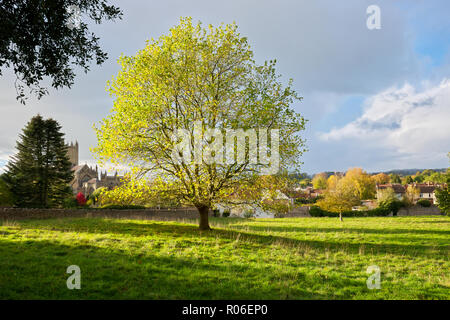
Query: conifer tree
x=39, y=174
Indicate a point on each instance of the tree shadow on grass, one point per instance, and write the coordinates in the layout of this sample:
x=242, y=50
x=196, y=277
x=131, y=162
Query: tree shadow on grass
x=39, y=272
x=343, y=229
x=186, y=231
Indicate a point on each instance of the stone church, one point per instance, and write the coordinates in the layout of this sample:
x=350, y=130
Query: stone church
x=87, y=179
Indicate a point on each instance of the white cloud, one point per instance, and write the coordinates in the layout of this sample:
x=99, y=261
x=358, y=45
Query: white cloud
x=414, y=123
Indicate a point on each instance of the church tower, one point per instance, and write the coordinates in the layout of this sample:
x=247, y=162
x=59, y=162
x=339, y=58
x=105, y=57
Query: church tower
x=72, y=152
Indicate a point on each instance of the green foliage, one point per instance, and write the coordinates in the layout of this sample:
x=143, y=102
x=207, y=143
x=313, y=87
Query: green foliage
x=395, y=178
x=226, y=213
x=408, y=180
x=191, y=80
x=443, y=199
x=388, y=201
x=38, y=42
x=316, y=211
x=95, y=196
x=391, y=205
x=6, y=196
x=138, y=192
x=39, y=174
x=424, y=203
x=305, y=182
x=70, y=203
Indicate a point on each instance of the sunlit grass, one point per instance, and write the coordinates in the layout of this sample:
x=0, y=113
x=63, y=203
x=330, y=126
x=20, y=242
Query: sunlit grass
x=298, y=258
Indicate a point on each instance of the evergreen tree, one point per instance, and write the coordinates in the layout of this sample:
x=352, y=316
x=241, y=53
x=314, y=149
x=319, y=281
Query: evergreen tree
x=6, y=197
x=39, y=174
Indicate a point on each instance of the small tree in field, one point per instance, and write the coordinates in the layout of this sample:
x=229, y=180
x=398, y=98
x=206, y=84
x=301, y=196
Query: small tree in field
x=198, y=81
x=340, y=199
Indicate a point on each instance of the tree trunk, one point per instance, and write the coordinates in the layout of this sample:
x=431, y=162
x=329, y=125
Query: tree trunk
x=204, y=221
x=340, y=216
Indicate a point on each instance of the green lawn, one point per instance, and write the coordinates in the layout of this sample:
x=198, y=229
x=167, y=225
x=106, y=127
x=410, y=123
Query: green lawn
x=298, y=258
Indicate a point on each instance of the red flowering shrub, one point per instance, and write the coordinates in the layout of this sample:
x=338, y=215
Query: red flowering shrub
x=81, y=199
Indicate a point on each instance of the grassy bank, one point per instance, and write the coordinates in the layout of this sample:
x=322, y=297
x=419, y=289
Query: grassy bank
x=298, y=258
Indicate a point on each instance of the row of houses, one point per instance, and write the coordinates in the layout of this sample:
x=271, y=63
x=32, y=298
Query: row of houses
x=426, y=191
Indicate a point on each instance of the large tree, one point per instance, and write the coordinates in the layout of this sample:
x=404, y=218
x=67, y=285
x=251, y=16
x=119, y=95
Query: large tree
x=341, y=198
x=39, y=174
x=198, y=83
x=47, y=38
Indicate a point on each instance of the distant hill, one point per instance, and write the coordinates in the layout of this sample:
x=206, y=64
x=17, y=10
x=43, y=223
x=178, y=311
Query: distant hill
x=400, y=172
x=409, y=172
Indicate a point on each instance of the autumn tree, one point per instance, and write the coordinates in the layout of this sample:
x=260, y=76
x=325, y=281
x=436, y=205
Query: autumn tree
x=363, y=185
x=332, y=181
x=381, y=178
x=340, y=199
x=179, y=97
x=320, y=181
x=344, y=193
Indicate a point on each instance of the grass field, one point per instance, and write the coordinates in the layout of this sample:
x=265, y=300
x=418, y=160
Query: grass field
x=298, y=258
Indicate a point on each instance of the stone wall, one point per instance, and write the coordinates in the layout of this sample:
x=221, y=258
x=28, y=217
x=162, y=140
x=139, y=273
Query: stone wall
x=299, y=212
x=419, y=211
x=151, y=214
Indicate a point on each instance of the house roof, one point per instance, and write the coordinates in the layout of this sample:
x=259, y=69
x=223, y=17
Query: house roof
x=398, y=188
x=78, y=167
x=426, y=188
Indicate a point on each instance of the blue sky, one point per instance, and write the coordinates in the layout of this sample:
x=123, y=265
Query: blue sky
x=377, y=99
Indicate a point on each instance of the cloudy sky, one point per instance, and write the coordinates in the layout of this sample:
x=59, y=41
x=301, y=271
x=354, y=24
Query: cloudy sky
x=377, y=99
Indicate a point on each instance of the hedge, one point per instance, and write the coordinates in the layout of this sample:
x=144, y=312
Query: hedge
x=316, y=211
x=424, y=203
